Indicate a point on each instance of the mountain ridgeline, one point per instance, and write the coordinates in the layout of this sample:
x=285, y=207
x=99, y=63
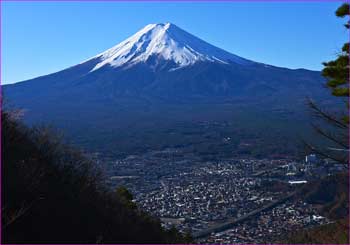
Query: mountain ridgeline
x=162, y=84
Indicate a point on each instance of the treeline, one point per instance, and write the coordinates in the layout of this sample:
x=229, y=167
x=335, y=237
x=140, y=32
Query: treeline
x=52, y=194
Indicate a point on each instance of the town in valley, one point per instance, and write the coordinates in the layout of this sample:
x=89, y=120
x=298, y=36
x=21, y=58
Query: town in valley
x=220, y=201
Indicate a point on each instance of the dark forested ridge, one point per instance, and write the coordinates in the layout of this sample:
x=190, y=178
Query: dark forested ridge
x=52, y=194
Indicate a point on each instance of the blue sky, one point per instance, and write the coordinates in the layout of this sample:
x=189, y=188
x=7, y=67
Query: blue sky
x=39, y=38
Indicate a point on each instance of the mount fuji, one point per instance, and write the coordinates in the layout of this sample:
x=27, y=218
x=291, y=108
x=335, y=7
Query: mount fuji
x=161, y=77
x=165, y=42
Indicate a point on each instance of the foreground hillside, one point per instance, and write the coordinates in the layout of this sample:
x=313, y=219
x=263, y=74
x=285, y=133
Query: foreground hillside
x=331, y=195
x=51, y=194
x=334, y=233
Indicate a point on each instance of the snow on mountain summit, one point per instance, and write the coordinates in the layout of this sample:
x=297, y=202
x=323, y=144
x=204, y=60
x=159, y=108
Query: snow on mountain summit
x=168, y=42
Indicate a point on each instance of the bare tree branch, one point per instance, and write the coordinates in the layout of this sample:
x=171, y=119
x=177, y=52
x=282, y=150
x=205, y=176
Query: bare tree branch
x=323, y=153
x=330, y=136
x=326, y=115
x=12, y=218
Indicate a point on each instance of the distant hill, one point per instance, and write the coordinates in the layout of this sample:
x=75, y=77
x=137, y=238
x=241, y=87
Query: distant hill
x=52, y=194
x=142, y=93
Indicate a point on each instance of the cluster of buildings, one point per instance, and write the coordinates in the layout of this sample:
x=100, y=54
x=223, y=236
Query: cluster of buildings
x=206, y=195
x=271, y=225
x=194, y=195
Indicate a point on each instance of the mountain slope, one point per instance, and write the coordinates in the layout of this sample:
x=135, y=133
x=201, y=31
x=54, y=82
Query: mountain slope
x=162, y=58
x=161, y=77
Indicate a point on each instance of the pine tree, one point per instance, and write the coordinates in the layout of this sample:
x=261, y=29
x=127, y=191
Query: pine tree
x=336, y=126
x=337, y=71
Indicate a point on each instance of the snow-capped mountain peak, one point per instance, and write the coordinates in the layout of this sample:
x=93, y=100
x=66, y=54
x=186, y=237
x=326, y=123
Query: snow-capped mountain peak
x=168, y=42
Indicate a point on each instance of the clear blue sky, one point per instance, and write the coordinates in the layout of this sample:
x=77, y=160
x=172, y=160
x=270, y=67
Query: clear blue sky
x=39, y=38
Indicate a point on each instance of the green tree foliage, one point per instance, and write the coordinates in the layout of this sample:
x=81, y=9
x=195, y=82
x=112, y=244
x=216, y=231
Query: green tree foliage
x=337, y=71
x=52, y=194
x=335, y=125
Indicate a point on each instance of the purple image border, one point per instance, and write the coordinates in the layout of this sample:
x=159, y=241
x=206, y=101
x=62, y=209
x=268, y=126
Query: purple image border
x=133, y=1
